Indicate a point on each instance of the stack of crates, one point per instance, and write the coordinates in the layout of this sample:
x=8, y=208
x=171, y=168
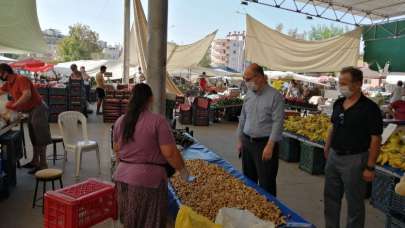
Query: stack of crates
x=384, y=197
x=44, y=93
x=115, y=104
x=312, y=159
x=201, y=111
x=77, y=96
x=111, y=110
x=57, y=103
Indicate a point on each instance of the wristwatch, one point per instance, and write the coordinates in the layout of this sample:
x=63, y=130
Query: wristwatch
x=370, y=168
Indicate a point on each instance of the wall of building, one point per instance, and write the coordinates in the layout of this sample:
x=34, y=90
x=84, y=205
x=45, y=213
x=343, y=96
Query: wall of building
x=228, y=52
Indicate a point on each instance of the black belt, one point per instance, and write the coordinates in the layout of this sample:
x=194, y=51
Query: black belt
x=348, y=152
x=258, y=139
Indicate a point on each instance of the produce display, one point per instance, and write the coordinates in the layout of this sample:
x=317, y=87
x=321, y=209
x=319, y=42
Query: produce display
x=299, y=102
x=314, y=127
x=229, y=101
x=393, y=151
x=214, y=189
x=277, y=84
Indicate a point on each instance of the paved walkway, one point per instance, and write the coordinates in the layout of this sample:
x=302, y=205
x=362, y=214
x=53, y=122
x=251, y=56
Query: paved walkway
x=299, y=190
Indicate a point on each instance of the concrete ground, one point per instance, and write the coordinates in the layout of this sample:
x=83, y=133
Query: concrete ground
x=302, y=192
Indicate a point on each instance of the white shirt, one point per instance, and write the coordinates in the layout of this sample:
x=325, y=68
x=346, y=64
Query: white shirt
x=397, y=94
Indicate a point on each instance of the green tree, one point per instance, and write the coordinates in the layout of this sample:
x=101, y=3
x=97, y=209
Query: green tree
x=322, y=32
x=81, y=43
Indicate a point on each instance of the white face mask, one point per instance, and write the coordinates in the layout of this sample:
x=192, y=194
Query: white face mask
x=345, y=91
x=251, y=86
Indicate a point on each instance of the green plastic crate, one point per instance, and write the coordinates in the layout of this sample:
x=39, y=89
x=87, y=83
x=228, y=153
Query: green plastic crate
x=289, y=149
x=312, y=159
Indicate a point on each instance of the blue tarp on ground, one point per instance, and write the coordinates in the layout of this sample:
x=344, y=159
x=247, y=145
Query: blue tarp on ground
x=198, y=151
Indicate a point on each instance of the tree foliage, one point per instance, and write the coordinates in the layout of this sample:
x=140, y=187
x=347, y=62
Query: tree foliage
x=322, y=32
x=81, y=43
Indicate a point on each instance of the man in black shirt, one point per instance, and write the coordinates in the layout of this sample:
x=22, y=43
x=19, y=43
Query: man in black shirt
x=351, y=150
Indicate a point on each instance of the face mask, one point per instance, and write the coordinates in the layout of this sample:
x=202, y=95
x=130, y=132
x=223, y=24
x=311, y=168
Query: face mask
x=345, y=91
x=251, y=86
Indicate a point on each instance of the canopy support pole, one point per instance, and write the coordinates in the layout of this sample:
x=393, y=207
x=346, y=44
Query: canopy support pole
x=157, y=51
x=125, y=72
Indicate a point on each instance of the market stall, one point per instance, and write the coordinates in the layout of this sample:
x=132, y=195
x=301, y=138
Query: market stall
x=199, y=151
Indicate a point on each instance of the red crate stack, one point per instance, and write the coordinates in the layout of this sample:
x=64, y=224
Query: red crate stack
x=81, y=205
x=111, y=110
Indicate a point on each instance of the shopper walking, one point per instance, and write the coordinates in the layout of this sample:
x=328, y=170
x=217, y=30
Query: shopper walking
x=260, y=128
x=26, y=99
x=144, y=144
x=398, y=92
x=100, y=89
x=76, y=74
x=351, y=150
x=86, y=82
x=139, y=76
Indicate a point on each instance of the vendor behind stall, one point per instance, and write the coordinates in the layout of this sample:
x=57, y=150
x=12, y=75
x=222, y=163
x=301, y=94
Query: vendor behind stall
x=397, y=109
x=26, y=99
x=203, y=83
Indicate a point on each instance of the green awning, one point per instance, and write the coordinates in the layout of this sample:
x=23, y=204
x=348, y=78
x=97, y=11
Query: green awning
x=385, y=43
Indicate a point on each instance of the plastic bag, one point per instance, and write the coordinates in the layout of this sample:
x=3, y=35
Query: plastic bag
x=236, y=218
x=187, y=218
x=400, y=187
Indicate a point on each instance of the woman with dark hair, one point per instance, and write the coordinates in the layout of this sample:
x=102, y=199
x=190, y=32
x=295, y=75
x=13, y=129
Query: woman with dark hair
x=143, y=144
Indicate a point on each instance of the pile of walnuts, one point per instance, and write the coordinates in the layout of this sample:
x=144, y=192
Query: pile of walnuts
x=214, y=189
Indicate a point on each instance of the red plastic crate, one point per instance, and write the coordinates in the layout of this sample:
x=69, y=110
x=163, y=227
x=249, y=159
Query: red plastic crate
x=81, y=205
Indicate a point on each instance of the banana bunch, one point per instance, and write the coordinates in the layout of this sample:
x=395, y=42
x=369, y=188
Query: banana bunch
x=315, y=127
x=393, y=151
x=277, y=84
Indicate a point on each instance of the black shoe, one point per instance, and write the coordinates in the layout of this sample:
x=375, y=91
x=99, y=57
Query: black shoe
x=29, y=165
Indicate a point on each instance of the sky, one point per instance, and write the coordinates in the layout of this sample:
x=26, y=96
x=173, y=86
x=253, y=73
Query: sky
x=189, y=20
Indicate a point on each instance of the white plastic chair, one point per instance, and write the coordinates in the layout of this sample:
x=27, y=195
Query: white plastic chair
x=73, y=126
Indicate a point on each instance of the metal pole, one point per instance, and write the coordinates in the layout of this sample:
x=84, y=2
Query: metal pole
x=125, y=72
x=156, y=52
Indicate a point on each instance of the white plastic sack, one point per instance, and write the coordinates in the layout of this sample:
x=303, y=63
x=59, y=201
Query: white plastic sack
x=400, y=187
x=237, y=218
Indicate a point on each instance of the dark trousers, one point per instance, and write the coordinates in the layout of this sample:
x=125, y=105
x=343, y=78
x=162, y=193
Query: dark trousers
x=343, y=176
x=87, y=88
x=258, y=170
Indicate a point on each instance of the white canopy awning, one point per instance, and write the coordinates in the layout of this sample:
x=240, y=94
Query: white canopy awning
x=278, y=51
x=19, y=28
x=93, y=67
x=6, y=60
x=394, y=77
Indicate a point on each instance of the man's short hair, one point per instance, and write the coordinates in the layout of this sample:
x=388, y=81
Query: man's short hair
x=102, y=68
x=73, y=66
x=355, y=73
x=257, y=69
x=4, y=67
x=400, y=83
